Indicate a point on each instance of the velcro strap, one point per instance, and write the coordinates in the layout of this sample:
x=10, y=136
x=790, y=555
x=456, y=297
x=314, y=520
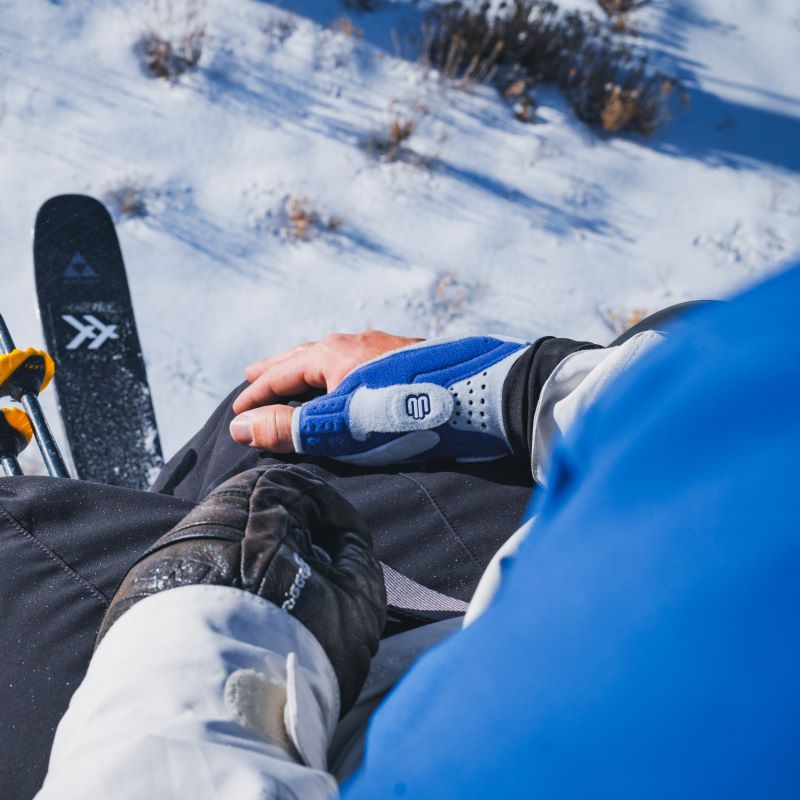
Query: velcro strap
x=398, y=409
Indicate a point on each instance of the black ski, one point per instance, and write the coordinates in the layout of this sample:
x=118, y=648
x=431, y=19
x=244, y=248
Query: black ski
x=87, y=316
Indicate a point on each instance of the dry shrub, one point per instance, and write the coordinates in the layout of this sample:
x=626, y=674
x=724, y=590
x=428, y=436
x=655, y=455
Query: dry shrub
x=631, y=108
x=527, y=42
x=458, y=53
x=620, y=108
x=166, y=59
x=526, y=35
x=519, y=92
x=390, y=145
x=173, y=44
x=128, y=200
x=302, y=219
x=400, y=130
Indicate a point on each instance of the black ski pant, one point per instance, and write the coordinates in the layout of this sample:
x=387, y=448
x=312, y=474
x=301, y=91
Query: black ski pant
x=65, y=546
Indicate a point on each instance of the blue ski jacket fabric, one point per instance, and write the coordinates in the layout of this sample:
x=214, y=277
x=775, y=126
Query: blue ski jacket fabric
x=645, y=640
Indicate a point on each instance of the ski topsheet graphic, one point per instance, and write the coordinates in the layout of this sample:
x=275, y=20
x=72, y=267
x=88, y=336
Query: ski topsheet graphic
x=87, y=317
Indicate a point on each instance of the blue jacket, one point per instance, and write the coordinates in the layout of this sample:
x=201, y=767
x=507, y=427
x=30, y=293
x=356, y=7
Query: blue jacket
x=645, y=642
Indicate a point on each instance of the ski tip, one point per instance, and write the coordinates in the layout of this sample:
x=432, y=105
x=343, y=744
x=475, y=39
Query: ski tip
x=69, y=205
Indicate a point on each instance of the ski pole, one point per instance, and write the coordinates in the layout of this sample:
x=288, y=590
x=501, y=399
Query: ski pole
x=15, y=435
x=23, y=376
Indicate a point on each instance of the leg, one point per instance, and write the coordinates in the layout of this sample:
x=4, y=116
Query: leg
x=64, y=546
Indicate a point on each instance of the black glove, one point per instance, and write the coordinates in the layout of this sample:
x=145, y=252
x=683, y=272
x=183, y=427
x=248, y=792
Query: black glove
x=284, y=535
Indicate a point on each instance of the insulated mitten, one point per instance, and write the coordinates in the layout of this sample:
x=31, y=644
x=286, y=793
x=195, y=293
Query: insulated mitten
x=286, y=536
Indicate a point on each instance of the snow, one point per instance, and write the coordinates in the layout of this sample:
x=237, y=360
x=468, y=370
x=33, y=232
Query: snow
x=495, y=225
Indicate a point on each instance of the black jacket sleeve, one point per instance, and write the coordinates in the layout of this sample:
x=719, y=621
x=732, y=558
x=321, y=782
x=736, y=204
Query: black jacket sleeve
x=524, y=385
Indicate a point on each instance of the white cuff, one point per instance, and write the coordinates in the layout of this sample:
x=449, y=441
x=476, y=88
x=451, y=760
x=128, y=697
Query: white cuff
x=297, y=440
x=201, y=692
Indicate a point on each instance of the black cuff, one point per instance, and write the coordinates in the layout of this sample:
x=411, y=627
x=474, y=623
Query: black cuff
x=524, y=385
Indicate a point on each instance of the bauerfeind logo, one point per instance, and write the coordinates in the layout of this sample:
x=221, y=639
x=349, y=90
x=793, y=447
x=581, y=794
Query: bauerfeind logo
x=418, y=406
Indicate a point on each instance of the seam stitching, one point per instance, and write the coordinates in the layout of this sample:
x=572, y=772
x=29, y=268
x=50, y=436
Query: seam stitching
x=444, y=517
x=94, y=591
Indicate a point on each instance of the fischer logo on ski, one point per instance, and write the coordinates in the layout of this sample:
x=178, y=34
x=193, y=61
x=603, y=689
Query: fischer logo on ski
x=79, y=270
x=94, y=331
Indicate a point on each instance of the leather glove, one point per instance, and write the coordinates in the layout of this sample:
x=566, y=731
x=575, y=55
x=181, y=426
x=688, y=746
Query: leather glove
x=286, y=536
x=431, y=400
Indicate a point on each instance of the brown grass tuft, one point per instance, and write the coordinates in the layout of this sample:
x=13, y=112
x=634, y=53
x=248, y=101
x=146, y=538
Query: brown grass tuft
x=173, y=43
x=400, y=130
x=390, y=145
x=128, y=200
x=302, y=219
x=165, y=59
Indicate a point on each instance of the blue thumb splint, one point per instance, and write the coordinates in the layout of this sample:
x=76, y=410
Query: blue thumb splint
x=433, y=400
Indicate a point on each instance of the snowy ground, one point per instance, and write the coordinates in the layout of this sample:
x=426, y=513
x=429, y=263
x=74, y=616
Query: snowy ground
x=503, y=226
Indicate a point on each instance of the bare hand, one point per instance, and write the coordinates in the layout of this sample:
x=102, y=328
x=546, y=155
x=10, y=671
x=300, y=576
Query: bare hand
x=262, y=420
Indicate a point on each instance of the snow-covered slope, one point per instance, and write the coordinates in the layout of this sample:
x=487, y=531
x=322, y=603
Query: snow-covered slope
x=492, y=225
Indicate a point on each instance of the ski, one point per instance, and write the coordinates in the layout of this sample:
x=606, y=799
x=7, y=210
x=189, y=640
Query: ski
x=89, y=327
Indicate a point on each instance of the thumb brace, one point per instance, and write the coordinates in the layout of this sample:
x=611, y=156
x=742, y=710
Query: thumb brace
x=432, y=400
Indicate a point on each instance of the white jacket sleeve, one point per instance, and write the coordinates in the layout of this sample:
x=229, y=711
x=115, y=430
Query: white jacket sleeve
x=199, y=692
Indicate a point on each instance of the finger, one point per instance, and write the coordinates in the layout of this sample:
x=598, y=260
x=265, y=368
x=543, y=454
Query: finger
x=292, y=376
x=268, y=428
x=257, y=368
x=264, y=390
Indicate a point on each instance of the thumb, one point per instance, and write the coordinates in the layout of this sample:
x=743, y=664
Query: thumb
x=268, y=428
